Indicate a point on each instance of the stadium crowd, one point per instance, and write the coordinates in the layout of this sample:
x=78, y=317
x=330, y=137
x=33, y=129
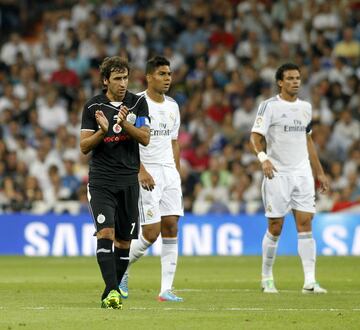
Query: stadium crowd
x=223, y=55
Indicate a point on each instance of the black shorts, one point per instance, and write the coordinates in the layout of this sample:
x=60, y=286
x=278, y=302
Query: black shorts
x=115, y=207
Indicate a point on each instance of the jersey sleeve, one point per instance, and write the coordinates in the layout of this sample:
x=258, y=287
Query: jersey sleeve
x=262, y=120
x=88, y=121
x=142, y=113
x=175, y=130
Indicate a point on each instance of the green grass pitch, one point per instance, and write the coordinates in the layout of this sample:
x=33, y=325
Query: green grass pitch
x=219, y=293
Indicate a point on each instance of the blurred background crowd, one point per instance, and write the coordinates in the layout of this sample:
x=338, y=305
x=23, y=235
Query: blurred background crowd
x=223, y=54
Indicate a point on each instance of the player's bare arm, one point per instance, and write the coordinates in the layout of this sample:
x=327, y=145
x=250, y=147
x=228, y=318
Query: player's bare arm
x=145, y=179
x=141, y=134
x=257, y=142
x=88, y=139
x=176, y=152
x=316, y=166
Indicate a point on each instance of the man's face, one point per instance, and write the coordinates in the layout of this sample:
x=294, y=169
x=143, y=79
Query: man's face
x=160, y=79
x=290, y=83
x=117, y=85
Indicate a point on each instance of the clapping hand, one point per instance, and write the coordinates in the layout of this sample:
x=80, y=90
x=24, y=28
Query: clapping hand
x=102, y=121
x=122, y=114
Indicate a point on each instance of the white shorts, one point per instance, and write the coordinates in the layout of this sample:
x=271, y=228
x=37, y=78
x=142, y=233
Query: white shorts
x=166, y=197
x=284, y=193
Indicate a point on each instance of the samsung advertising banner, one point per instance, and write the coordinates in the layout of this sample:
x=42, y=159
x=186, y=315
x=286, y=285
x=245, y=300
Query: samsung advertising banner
x=66, y=235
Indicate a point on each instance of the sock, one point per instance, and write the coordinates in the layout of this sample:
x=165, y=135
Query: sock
x=121, y=262
x=138, y=248
x=307, y=253
x=169, y=255
x=269, y=247
x=105, y=259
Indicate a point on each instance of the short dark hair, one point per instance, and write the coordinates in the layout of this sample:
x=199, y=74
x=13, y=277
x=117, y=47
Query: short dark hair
x=113, y=64
x=155, y=62
x=279, y=75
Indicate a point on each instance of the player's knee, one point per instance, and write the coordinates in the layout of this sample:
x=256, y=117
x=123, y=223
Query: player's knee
x=275, y=228
x=121, y=244
x=150, y=234
x=107, y=233
x=169, y=226
x=170, y=230
x=304, y=226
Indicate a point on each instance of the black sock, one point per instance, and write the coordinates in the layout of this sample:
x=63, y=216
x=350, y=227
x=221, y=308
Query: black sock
x=121, y=262
x=105, y=258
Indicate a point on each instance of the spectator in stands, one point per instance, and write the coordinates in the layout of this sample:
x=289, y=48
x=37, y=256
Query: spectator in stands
x=6, y=99
x=65, y=79
x=244, y=116
x=346, y=131
x=198, y=157
x=338, y=180
x=14, y=46
x=218, y=108
x=24, y=151
x=52, y=113
x=70, y=183
x=81, y=12
x=46, y=64
x=191, y=36
x=348, y=47
x=213, y=198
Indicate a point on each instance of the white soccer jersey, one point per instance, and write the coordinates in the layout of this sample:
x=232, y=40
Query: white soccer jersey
x=285, y=125
x=164, y=127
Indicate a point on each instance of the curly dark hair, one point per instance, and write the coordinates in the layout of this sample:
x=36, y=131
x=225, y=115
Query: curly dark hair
x=279, y=75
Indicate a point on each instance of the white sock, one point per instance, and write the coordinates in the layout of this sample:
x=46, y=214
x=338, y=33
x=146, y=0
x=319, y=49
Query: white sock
x=138, y=248
x=269, y=247
x=169, y=256
x=307, y=253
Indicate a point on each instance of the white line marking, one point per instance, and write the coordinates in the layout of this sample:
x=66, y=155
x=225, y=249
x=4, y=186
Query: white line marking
x=230, y=309
x=250, y=309
x=259, y=290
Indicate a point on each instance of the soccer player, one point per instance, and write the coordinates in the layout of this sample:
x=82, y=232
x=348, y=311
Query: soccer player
x=160, y=200
x=288, y=161
x=113, y=125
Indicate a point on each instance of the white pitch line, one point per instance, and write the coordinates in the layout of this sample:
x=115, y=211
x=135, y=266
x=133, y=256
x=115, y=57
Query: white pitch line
x=259, y=290
x=212, y=309
x=252, y=309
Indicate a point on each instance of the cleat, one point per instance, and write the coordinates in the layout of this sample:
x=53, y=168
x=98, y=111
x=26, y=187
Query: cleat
x=313, y=288
x=268, y=286
x=123, y=286
x=169, y=296
x=112, y=301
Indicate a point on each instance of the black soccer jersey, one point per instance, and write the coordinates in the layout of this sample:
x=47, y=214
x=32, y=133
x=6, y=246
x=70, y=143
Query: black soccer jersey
x=115, y=160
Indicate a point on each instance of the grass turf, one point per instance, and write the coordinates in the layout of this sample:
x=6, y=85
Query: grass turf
x=219, y=293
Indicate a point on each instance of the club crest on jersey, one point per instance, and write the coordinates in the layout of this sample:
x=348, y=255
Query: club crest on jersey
x=100, y=218
x=258, y=122
x=117, y=128
x=149, y=213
